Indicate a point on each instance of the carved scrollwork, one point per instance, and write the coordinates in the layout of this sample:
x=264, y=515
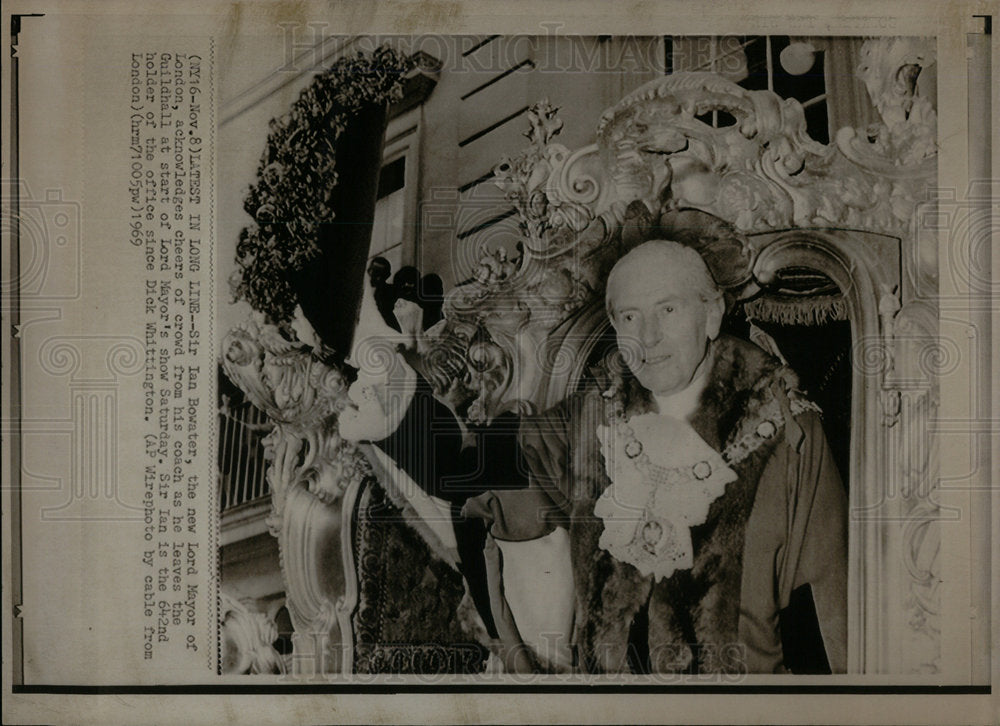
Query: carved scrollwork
x=891, y=69
x=658, y=148
x=247, y=639
x=471, y=367
x=311, y=467
x=919, y=354
x=281, y=377
x=910, y=382
x=763, y=171
x=490, y=372
x=921, y=533
x=551, y=194
x=571, y=235
x=302, y=395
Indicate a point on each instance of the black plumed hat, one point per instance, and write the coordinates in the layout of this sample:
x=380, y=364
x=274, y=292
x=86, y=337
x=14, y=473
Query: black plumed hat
x=726, y=252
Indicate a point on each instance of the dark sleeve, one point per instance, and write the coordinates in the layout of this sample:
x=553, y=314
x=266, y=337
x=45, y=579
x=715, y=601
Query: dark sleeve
x=427, y=445
x=533, y=510
x=816, y=546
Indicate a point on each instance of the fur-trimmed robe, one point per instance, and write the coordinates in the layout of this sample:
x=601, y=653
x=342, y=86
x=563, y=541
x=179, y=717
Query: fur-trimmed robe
x=781, y=525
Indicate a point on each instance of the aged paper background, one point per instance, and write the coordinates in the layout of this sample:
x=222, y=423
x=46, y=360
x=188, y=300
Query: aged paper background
x=81, y=551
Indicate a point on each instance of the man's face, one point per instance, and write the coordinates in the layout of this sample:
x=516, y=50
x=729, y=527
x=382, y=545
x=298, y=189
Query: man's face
x=662, y=323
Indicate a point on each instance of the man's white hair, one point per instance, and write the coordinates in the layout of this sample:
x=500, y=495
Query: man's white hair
x=675, y=255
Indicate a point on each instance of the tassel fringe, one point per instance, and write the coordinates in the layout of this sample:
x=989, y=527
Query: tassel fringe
x=805, y=311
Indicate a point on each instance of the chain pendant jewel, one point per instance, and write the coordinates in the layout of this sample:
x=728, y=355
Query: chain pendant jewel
x=665, y=477
x=651, y=506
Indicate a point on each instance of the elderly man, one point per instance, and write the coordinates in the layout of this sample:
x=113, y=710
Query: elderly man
x=676, y=510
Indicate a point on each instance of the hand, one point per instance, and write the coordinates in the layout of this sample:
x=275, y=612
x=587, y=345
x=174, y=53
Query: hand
x=410, y=317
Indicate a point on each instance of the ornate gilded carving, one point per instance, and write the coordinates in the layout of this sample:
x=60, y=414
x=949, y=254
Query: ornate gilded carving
x=552, y=196
x=310, y=469
x=763, y=171
x=888, y=308
x=505, y=315
x=919, y=357
x=302, y=395
x=891, y=69
x=247, y=639
x=657, y=149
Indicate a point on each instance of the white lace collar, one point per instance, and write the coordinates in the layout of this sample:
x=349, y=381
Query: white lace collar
x=661, y=487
